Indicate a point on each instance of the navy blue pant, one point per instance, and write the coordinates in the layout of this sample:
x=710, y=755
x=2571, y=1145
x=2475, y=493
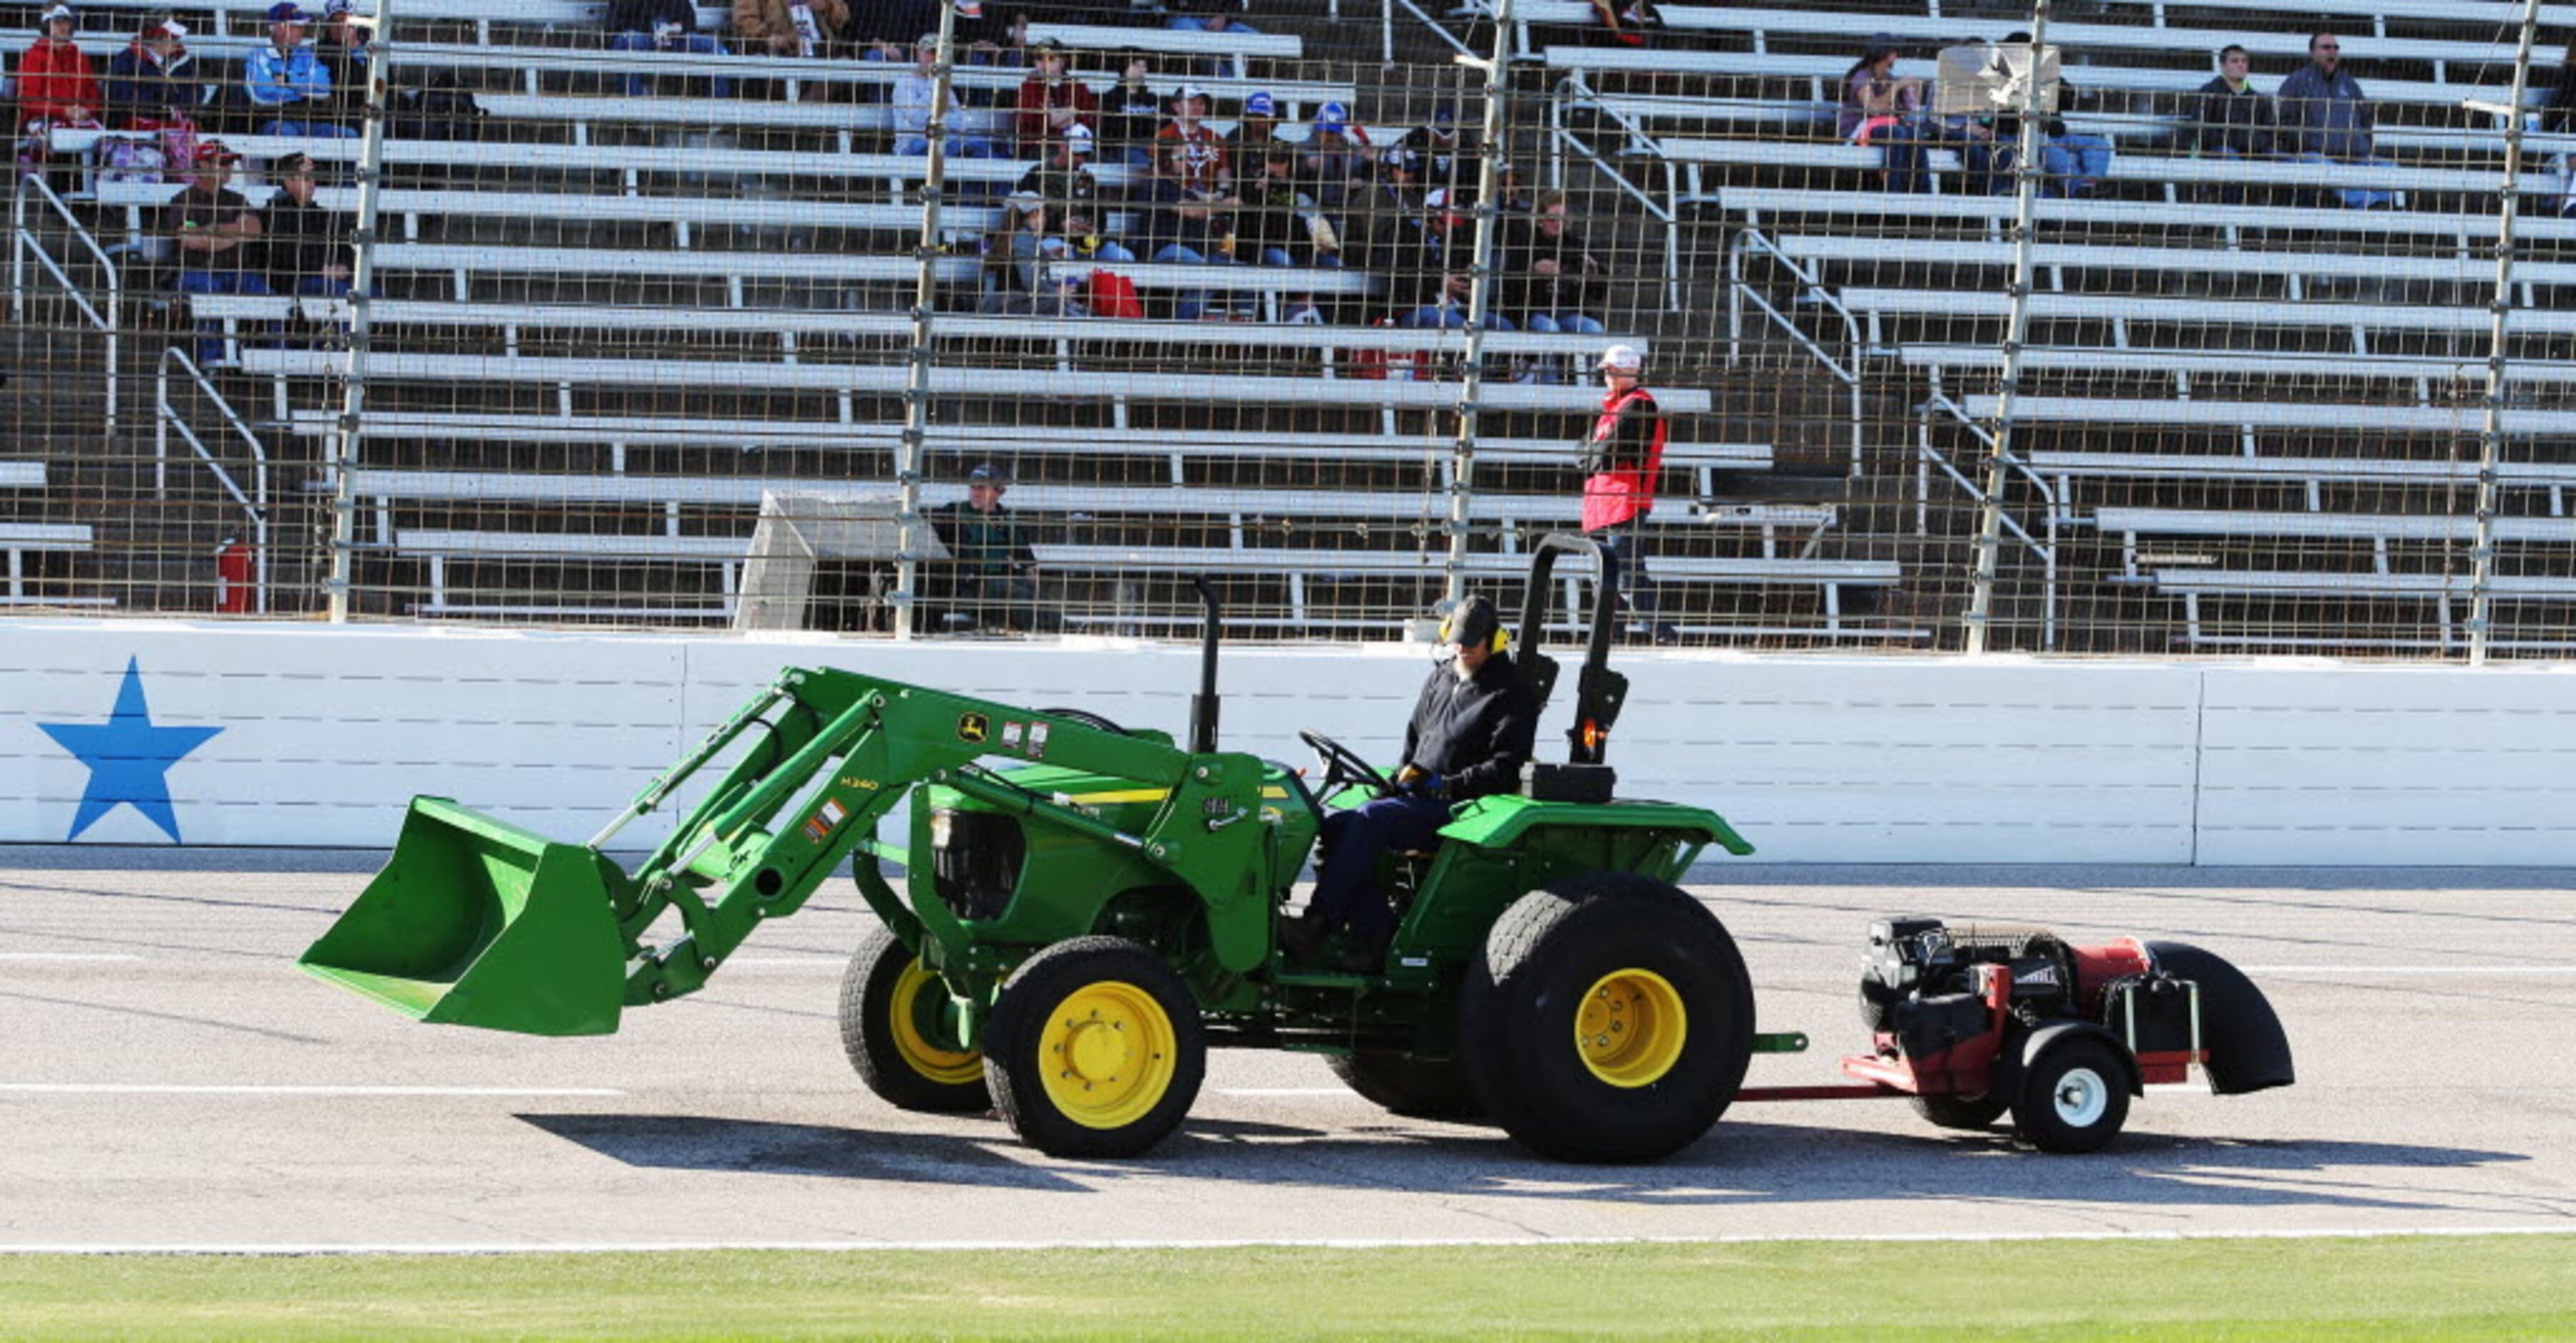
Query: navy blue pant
x=1346, y=890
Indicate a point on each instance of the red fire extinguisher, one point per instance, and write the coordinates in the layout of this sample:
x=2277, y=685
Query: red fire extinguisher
x=233, y=576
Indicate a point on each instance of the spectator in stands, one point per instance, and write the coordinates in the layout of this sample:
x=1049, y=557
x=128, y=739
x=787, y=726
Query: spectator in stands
x=1551, y=280
x=660, y=25
x=2325, y=118
x=1384, y=220
x=1510, y=192
x=1050, y=103
x=305, y=247
x=914, y=91
x=342, y=49
x=997, y=573
x=1280, y=223
x=1072, y=195
x=1189, y=226
x=56, y=86
x=1883, y=108
x=1435, y=143
x=146, y=82
x=2071, y=163
x=1130, y=114
x=803, y=28
x=216, y=233
x=1205, y=16
x=1339, y=161
x=2230, y=117
x=1187, y=150
x=1442, y=282
x=287, y=81
x=1029, y=272
x=1621, y=458
x=1256, y=132
x=1627, y=23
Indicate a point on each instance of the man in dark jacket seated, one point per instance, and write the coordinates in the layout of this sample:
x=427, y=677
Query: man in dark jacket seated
x=1472, y=730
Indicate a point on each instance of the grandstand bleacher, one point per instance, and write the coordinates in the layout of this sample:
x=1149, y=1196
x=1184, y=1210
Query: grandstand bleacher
x=2242, y=416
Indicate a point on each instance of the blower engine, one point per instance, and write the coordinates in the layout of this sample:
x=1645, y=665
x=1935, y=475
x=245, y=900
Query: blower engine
x=1976, y=1020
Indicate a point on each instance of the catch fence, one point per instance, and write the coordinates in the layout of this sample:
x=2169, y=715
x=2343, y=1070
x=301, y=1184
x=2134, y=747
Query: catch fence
x=673, y=335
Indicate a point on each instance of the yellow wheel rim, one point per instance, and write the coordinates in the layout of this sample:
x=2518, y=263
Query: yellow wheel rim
x=1630, y=1028
x=1108, y=1054
x=913, y=1004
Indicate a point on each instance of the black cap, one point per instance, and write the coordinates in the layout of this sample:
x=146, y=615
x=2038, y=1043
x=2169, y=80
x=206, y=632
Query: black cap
x=987, y=473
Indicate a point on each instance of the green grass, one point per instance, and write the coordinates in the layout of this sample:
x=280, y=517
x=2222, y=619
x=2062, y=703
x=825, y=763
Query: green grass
x=2509, y=1286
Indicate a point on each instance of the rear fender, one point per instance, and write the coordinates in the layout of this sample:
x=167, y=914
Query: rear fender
x=2248, y=1050
x=2019, y=1055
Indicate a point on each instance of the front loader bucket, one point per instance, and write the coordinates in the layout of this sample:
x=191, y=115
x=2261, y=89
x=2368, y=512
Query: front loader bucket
x=478, y=923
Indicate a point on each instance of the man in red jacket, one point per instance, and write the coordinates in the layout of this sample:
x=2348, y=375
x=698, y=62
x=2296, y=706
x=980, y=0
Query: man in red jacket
x=1050, y=102
x=1621, y=458
x=55, y=82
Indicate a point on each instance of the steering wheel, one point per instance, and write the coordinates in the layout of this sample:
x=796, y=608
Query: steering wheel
x=1087, y=719
x=1343, y=767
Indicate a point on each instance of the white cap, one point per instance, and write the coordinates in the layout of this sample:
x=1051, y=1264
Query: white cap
x=1625, y=358
x=1189, y=91
x=57, y=12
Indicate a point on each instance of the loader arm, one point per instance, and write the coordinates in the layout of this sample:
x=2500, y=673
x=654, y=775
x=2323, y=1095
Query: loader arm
x=823, y=756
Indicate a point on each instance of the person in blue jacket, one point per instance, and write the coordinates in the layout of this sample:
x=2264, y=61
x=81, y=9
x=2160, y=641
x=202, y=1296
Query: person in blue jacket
x=288, y=81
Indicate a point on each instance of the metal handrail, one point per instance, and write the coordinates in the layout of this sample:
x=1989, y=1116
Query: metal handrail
x=1386, y=28
x=23, y=241
x=254, y=504
x=1739, y=290
x=2012, y=462
x=1567, y=139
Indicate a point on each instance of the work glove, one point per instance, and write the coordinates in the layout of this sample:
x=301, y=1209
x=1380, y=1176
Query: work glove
x=1421, y=782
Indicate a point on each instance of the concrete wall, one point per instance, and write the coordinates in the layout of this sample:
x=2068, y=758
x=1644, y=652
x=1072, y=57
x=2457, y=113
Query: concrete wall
x=323, y=735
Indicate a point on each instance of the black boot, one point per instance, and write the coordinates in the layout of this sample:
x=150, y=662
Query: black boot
x=1304, y=935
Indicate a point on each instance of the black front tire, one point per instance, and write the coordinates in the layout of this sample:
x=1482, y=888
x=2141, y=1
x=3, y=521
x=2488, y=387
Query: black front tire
x=1546, y=959
x=1415, y=1088
x=2074, y=1096
x=1962, y=1112
x=906, y=1066
x=1095, y=1049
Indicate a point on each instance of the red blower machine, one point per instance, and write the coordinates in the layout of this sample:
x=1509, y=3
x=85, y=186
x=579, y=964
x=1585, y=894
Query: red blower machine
x=1975, y=1021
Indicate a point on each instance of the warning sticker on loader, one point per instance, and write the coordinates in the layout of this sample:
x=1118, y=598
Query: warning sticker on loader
x=819, y=826
x=973, y=727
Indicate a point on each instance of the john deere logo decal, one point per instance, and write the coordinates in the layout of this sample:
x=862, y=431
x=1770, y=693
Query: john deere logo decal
x=973, y=727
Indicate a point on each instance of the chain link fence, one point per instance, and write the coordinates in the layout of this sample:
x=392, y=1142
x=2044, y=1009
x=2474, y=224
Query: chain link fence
x=1024, y=325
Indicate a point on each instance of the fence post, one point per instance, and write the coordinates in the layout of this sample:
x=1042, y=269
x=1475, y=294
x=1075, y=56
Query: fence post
x=911, y=449
x=349, y=435
x=1480, y=306
x=2491, y=425
x=1990, y=498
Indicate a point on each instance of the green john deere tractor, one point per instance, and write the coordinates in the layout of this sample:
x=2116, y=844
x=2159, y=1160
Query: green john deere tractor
x=1089, y=908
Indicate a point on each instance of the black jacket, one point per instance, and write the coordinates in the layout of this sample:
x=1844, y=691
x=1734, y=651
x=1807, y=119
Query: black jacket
x=1476, y=733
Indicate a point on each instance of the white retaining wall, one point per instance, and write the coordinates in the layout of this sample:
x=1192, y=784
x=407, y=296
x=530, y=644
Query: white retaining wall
x=325, y=733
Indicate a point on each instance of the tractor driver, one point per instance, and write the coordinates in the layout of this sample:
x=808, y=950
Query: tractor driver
x=1472, y=730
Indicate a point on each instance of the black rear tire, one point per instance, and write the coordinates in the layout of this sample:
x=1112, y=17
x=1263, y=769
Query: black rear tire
x=901, y=1059
x=1095, y=1049
x=1415, y=1088
x=1962, y=1112
x=2074, y=1096
x=1538, y=1016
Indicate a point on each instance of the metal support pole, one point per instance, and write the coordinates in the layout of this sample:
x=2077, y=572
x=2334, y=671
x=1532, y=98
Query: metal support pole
x=347, y=440
x=1480, y=305
x=1990, y=499
x=2491, y=424
x=911, y=449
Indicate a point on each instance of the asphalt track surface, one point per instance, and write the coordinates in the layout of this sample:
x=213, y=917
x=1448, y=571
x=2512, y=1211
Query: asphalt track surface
x=167, y=1079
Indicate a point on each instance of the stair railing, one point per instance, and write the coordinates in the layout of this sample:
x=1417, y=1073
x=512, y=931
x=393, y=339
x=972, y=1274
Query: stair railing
x=168, y=420
x=24, y=244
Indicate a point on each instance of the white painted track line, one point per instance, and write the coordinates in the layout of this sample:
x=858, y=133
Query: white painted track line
x=158, y=1089
x=2356, y=970
x=1320, y=1243
x=88, y=957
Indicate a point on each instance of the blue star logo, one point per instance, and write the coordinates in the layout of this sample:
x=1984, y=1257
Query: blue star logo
x=128, y=758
